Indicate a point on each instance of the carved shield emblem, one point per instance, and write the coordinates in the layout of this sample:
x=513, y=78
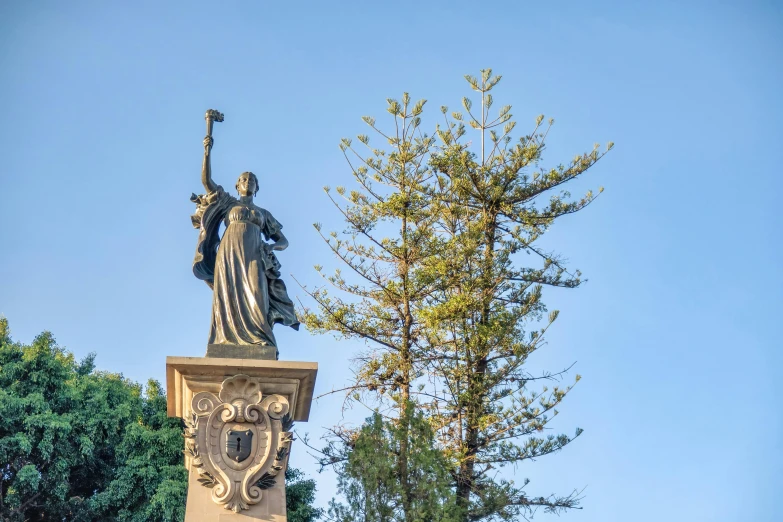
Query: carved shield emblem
x=238, y=444
x=238, y=440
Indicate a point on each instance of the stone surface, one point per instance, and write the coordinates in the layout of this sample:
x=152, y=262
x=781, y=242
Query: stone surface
x=242, y=351
x=201, y=507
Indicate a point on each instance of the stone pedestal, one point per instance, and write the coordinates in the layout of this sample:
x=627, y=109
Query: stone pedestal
x=238, y=414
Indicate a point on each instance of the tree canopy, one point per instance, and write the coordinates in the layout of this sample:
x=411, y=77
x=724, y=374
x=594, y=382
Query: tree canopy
x=76, y=443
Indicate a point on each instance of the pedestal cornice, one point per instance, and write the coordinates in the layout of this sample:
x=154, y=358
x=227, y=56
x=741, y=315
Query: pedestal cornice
x=186, y=376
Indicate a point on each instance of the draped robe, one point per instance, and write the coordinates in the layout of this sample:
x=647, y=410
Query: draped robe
x=249, y=297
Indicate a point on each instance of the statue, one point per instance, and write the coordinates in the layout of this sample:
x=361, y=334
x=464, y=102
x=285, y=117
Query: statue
x=249, y=297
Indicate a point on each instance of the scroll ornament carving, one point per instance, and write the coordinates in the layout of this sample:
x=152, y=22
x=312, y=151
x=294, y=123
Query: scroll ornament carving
x=238, y=441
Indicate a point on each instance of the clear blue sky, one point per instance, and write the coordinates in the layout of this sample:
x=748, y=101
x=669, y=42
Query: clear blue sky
x=677, y=333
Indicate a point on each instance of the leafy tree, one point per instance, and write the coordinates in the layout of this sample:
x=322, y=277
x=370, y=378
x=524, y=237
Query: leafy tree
x=78, y=444
x=150, y=482
x=450, y=307
x=61, y=424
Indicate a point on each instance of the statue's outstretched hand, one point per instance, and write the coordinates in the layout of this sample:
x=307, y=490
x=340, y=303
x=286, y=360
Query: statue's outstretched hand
x=208, y=141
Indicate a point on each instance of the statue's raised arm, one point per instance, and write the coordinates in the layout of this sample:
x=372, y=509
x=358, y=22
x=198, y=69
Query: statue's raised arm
x=206, y=168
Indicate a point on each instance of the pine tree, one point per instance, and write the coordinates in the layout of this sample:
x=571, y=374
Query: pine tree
x=368, y=477
x=388, y=237
x=490, y=316
x=445, y=302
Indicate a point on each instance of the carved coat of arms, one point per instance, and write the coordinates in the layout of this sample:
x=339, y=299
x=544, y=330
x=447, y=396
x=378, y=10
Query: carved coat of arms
x=238, y=441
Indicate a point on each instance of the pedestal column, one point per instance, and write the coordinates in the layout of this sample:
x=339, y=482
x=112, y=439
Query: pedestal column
x=238, y=414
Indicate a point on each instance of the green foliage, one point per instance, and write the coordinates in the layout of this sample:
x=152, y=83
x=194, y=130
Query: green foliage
x=78, y=444
x=367, y=475
x=299, y=497
x=445, y=298
x=150, y=482
x=385, y=304
x=60, y=426
x=490, y=316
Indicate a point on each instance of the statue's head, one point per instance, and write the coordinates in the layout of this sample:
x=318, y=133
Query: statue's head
x=247, y=184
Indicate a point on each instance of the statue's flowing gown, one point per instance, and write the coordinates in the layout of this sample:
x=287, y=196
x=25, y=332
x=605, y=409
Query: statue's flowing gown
x=249, y=296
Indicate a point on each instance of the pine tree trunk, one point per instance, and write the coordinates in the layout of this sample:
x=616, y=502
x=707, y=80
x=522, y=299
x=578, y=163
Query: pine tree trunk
x=476, y=383
x=405, y=371
x=404, y=429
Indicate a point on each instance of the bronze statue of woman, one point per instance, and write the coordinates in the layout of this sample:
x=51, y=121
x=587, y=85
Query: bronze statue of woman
x=241, y=268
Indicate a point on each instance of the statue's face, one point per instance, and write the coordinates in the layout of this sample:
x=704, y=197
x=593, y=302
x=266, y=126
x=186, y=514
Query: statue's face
x=246, y=185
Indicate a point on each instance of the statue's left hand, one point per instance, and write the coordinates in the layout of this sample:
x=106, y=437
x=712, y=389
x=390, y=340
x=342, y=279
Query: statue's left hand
x=280, y=241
